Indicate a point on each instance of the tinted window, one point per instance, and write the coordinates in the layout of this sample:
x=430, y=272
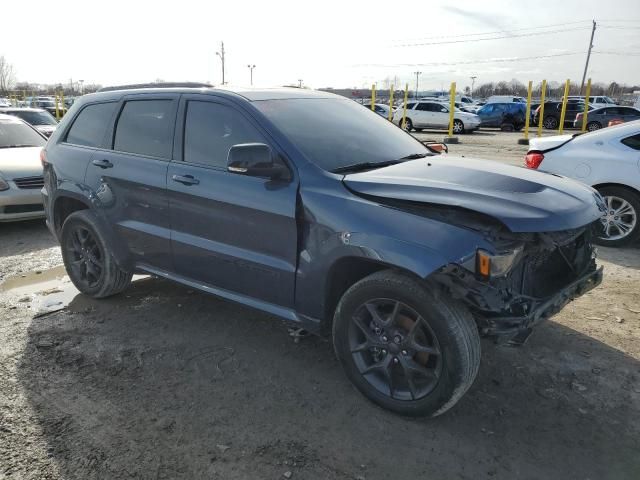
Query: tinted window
x=211, y=129
x=629, y=111
x=15, y=133
x=632, y=142
x=145, y=127
x=89, y=127
x=35, y=118
x=349, y=134
x=612, y=111
x=424, y=107
x=410, y=106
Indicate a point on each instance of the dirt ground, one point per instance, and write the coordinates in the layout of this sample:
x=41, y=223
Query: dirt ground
x=164, y=382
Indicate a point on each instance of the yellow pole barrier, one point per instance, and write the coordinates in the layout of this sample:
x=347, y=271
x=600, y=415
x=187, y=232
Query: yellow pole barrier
x=64, y=109
x=57, y=111
x=452, y=106
x=373, y=97
x=541, y=116
x=404, y=109
x=564, y=107
x=586, y=106
x=390, y=103
x=526, y=120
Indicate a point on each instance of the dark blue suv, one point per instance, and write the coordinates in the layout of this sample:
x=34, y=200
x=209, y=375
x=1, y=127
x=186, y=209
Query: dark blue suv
x=506, y=116
x=316, y=210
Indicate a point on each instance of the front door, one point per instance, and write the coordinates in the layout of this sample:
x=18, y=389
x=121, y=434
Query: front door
x=229, y=231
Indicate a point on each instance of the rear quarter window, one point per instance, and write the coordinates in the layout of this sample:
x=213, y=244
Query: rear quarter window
x=632, y=142
x=89, y=127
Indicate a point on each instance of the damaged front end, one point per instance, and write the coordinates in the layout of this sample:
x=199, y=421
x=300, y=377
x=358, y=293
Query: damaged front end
x=528, y=278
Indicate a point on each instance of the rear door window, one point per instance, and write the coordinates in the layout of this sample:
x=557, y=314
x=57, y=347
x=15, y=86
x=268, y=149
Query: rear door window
x=90, y=126
x=145, y=127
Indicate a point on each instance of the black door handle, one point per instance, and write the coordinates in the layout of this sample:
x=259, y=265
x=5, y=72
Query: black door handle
x=102, y=163
x=185, y=179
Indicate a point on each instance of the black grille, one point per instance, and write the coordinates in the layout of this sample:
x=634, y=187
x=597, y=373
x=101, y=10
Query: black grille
x=36, y=207
x=29, y=182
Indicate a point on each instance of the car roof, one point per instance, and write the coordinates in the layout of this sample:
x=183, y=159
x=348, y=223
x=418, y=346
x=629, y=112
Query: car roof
x=248, y=93
x=21, y=109
x=10, y=118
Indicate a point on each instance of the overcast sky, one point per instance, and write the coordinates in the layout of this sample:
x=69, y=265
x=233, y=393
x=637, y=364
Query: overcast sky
x=328, y=43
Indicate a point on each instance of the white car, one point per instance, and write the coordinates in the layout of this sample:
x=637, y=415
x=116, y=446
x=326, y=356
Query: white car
x=505, y=99
x=20, y=170
x=432, y=114
x=609, y=161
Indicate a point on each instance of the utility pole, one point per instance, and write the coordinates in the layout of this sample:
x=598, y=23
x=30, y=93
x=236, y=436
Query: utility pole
x=221, y=55
x=473, y=81
x=586, y=65
x=417, y=74
x=251, y=67
x=299, y=83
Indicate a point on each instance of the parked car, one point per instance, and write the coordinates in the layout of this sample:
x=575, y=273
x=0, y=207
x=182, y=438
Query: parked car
x=607, y=160
x=600, y=117
x=38, y=118
x=4, y=102
x=47, y=104
x=432, y=114
x=381, y=109
x=406, y=256
x=505, y=99
x=20, y=170
x=503, y=115
x=596, y=101
x=553, y=110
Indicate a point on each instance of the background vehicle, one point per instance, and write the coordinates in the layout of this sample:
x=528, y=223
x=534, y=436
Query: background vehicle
x=596, y=101
x=608, y=161
x=505, y=99
x=380, y=109
x=503, y=115
x=354, y=231
x=38, y=118
x=4, y=102
x=48, y=104
x=553, y=110
x=432, y=114
x=600, y=117
x=20, y=170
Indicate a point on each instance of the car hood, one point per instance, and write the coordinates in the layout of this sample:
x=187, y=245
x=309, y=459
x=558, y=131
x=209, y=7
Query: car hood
x=20, y=162
x=523, y=200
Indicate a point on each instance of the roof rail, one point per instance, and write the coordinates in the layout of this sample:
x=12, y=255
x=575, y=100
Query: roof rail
x=156, y=85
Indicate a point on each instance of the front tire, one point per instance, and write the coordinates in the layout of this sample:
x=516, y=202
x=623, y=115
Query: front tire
x=458, y=126
x=88, y=259
x=621, y=223
x=408, y=125
x=405, y=345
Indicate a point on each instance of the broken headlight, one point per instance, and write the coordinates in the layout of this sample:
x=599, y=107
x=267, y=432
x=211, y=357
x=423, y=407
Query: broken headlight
x=490, y=265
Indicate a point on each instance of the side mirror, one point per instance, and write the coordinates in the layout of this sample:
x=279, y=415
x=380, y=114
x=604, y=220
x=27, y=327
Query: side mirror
x=255, y=160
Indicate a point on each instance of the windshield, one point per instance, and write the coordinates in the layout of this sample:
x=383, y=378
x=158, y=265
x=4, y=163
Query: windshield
x=35, y=118
x=335, y=133
x=14, y=133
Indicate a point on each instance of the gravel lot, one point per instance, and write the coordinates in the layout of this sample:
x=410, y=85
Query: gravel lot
x=164, y=382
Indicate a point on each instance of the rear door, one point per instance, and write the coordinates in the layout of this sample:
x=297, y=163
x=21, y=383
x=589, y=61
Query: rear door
x=229, y=231
x=129, y=177
x=440, y=115
x=422, y=116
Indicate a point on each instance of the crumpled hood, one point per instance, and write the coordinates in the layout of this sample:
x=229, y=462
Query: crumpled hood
x=20, y=162
x=524, y=200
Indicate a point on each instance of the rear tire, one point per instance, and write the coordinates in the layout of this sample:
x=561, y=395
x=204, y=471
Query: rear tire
x=408, y=125
x=88, y=259
x=550, y=123
x=593, y=126
x=458, y=126
x=623, y=211
x=389, y=327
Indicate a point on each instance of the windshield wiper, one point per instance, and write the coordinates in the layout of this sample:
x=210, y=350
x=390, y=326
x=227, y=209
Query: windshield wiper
x=365, y=166
x=414, y=156
x=18, y=145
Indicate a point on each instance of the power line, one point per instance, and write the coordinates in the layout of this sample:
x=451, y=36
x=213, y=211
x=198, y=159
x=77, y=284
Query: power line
x=624, y=54
x=502, y=32
x=470, y=62
x=533, y=34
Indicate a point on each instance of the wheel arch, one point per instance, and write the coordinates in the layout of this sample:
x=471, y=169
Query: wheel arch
x=617, y=185
x=64, y=205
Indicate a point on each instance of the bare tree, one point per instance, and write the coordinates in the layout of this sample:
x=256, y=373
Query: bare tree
x=7, y=77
